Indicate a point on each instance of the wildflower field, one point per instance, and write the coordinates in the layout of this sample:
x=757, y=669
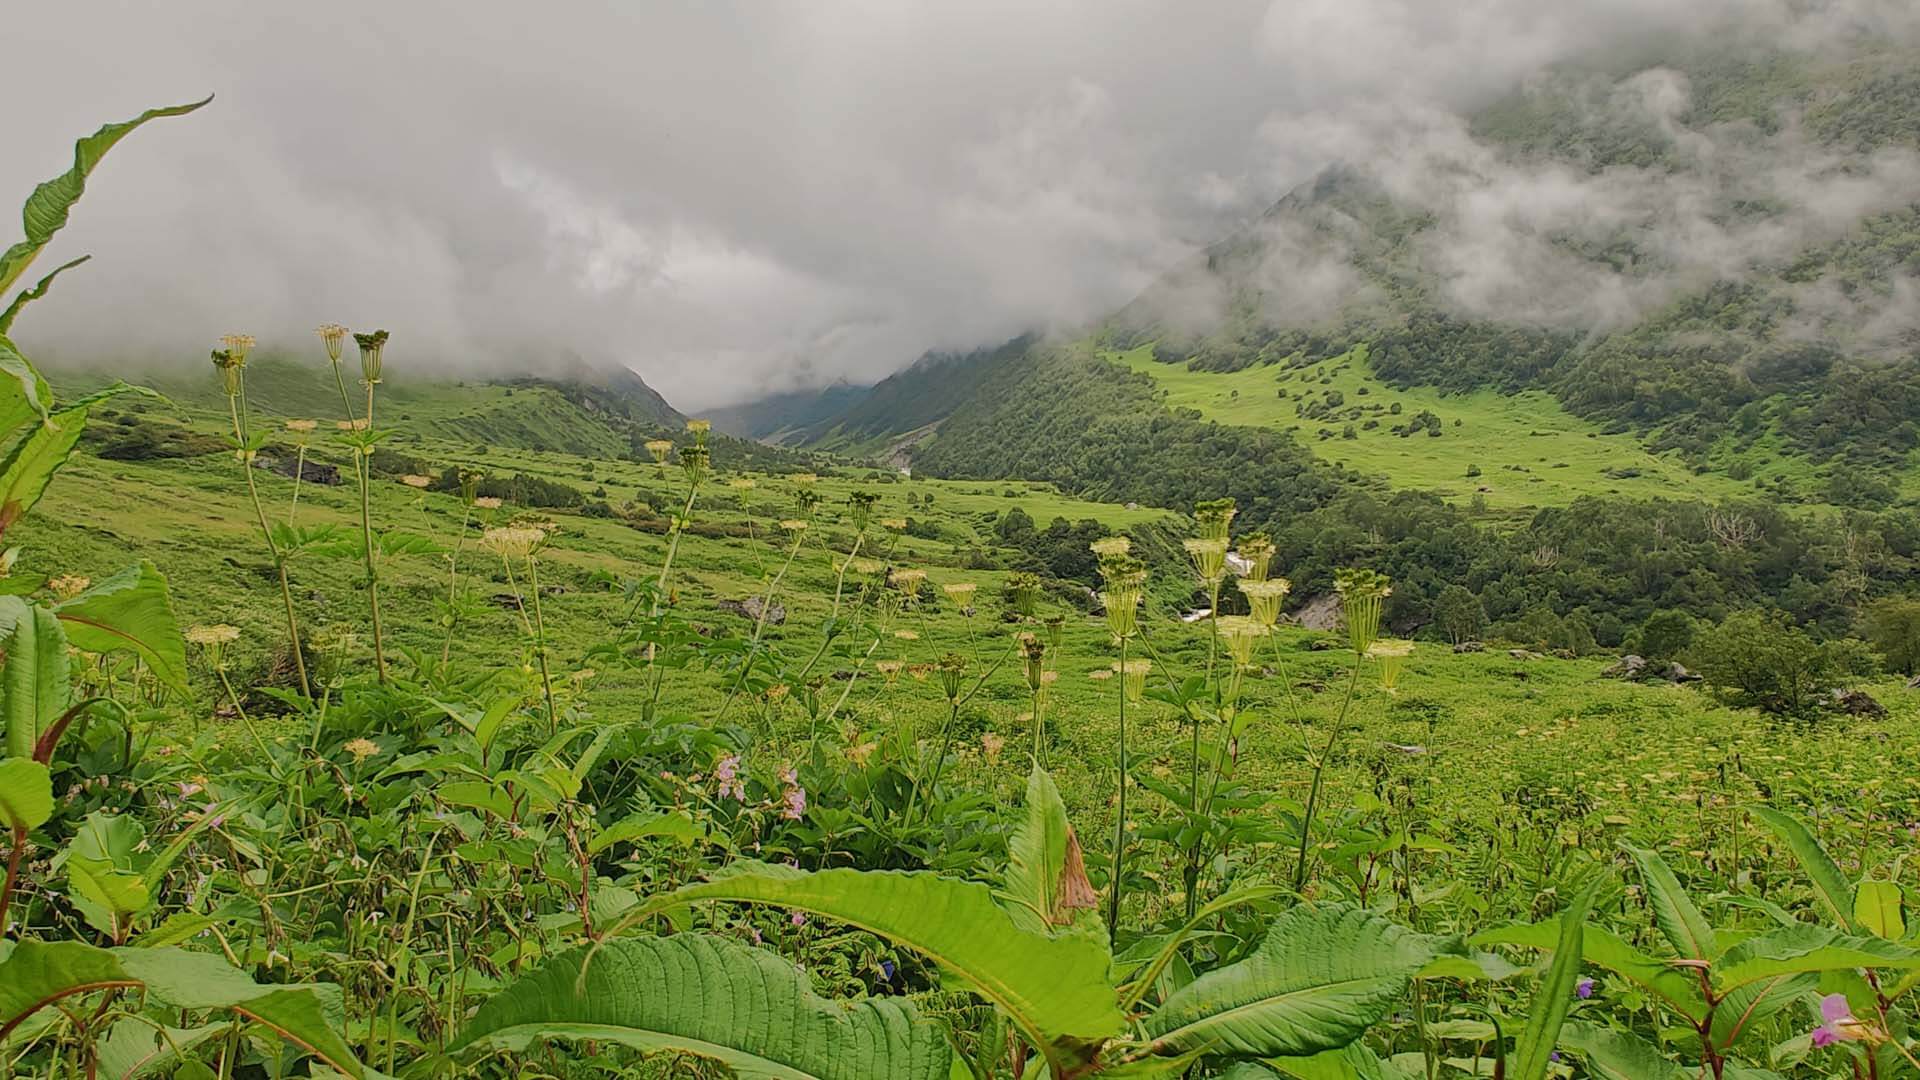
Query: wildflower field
x=320, y=760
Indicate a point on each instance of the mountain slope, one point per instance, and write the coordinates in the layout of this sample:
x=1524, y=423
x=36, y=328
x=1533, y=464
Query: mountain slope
x=780, y=418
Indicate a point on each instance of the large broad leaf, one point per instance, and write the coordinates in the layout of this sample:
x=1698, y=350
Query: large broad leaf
x=24, y=394
x=701, y=995
x=1878, y=909
x=1355, y=1061
x=30, y=466
x=35, y=683
x=1533, y=1050
x=1806, y=948
x=1321, y=978
x=1046, y=885
x=1603, y=948
x=1673, y=911
x=47, y=208
x=1056, y=989
x=28, y=296
x=130, y=611
x=38, y=974
x=136, y=1048
x=1613, y=1054
x=1741, y=1011
x=1830, y=886
x=26, y=793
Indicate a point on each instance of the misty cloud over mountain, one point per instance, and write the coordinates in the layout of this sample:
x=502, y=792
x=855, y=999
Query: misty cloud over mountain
x=736, y=198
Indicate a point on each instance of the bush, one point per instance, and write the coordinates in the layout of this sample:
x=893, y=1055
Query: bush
x=1665, y=635
x=1762, y=660
x=1892, y=627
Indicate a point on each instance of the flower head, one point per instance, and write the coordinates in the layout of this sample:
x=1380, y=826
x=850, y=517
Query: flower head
x=794, y=525
x=795, y=803
x=991, y=744
x=1133, y=677
x=1108, y=546
x=334, y=337
x=217, y=634
x=373, y=348
x=240, y=345
x=1265, y=597
x=894, y=524
x=356, y=424
x=728, y=773
x=1213, y=517
x=68, y=586
x=230, y=367
x=301, y=427
x=1125, y=578
x=361, y=749
x=1209, y=559
x=1838, y=1024
x=659, y=448
x=960, y=592
x=1583, y=989
x=487, y=502
x=1392, y=654
x=888, y=668
x=699, y=428
x=1239, y=633
x=1361, y=595
x=860, y=752
x=415, y=480
x=1023, y=590
x=513, y=541
x=1256, y=550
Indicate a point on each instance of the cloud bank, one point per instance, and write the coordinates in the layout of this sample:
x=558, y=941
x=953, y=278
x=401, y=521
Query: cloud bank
x=735, y=197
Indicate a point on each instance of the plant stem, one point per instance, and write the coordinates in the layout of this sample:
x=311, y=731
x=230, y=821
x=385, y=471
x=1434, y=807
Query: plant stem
x=13, y=874
x=266, y=533
x=540, y=643
x=220, y=668
x=299, y=470
x=366, y=535
x=1120, y=816
x=453, y=585
x=1319, y=774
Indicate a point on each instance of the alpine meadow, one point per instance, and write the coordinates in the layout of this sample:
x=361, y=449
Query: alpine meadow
x=1294, y=539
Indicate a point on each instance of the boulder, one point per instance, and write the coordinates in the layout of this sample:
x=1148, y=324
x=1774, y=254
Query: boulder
x=1857, y=703
x=1470, y=647
x=750, y=609
x=1524, y=654
x=1630, y=666
x=1677, y=672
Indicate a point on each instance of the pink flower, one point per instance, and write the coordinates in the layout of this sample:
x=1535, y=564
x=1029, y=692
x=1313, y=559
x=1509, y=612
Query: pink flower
x=796, y=800
x=1839, y=1024
x=799, y=918
x=728, y=773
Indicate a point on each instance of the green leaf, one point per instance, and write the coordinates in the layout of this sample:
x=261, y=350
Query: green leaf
x=1046, y=889
x=35, y=683
x=1055, y=989
x=1605, y=949
x=1613, y=1054
x=46, y=209
x=1832, y=888
x=1805, y=948
x=30, y=465
x=1673, y=912
x=28, y=296
x=1321, y=977
x=691, y=993
x=1533, y=1050
x=26, y=793
x=1877, y=909
x=1355, y=1061
x=671, y=824
x=136, y=1048
x=37, y=974
x=1742, y=1011
x=130, y=611
x=24, y=395
x=104, y=874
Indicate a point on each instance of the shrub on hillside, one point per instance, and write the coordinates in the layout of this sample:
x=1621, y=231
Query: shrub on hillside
x=1761, y=659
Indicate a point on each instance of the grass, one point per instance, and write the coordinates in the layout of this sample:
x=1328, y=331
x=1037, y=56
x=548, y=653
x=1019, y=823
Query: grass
x=1529, y=451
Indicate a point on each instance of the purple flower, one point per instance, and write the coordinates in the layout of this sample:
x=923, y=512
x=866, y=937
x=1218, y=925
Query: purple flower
x=796, y=800
x=728, y=773
x=1839, y=1024
x=799, y=918
x=887, y=969
x=1583, y=989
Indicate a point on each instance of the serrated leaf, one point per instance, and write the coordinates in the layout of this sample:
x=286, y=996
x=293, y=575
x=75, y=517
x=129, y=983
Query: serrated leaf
x=46, y=209
x=1605, y=949
x=1319, y=980
x=1612, y=1054
x=1055, y=989
x=1553, y=999
x=37, y=974
x=1806, y=948
x=130, y=611
x=1830, y=886
x=35, y=680
x=691, y=993
x=1673, y=911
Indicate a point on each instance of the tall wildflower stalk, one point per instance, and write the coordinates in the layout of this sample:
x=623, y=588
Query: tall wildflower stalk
x=231, y=362
x=1362, y=594
x=360, y=436
x=302, y=431
x=1208, y=551
x=1124, y=579
x=522, y=543
x=470, y=500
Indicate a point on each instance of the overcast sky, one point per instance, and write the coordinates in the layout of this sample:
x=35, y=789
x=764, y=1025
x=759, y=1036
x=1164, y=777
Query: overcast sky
x=727, y=197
